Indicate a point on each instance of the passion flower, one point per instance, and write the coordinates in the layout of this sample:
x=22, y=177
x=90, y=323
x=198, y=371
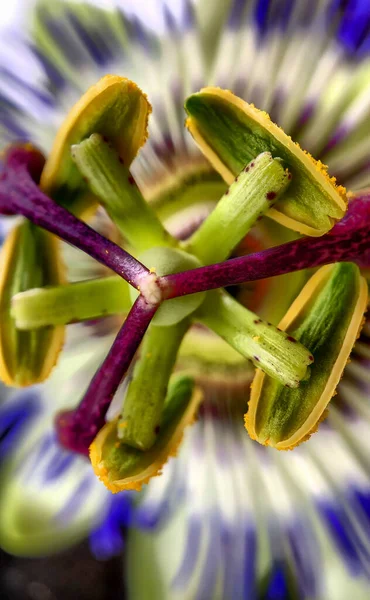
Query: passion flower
x=247, y=521
x=163, y=267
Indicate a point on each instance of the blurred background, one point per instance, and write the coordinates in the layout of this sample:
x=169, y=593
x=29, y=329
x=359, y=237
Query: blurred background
x=73, y=574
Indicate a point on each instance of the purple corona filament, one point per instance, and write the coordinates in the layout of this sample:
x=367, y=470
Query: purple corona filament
x=77, y=428
x=349, y=240
x=19, y=194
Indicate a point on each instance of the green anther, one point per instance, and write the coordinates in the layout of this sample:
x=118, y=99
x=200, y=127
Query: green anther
x=256, y=188
x=231, y=132
x=114, y=107
x=122, y=467
x=110, y=180
x=271, y=350
x=30, y=258
x=326, y=318
x=71, y=303
x=141, y=418
x=162, y=261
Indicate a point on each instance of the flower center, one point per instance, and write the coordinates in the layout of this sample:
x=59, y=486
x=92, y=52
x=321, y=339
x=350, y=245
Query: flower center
x=166, y=283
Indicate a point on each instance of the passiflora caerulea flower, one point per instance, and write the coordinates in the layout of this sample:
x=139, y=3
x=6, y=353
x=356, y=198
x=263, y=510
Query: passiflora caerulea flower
x=136, y=337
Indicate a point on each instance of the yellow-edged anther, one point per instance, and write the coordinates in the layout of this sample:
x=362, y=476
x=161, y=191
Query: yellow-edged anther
x=116, y=108
x=230, y=132
x=125, y=468
x=29, y=258
x=326, y=317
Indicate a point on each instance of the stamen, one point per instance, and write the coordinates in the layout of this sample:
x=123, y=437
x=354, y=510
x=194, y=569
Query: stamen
x=231, y=132
x=115, y=108
x=141, y=418
x=267, y=347
x=349, y=240
x=326, y=317
x=111, y=181
x=70, y=303
x=19, y=194
x=29, y=258
x=122, y=467
x=77, y=428
x=253, y=192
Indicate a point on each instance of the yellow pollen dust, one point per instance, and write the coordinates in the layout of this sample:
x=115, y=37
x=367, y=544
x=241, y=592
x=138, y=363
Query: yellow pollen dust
x=320, y=166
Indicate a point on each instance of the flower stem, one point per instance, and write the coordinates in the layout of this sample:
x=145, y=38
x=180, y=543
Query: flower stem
x=143, y=404
x=271, y=350
x=349, y=240
x=76, y=429
x=19, y=194
x=252, y=194
x=111, y=181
